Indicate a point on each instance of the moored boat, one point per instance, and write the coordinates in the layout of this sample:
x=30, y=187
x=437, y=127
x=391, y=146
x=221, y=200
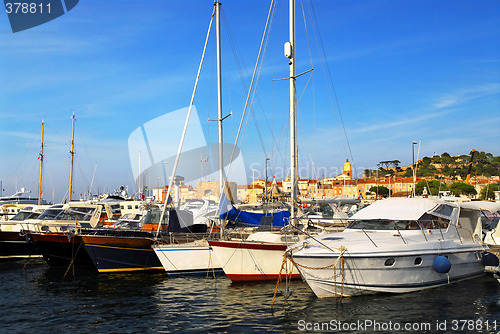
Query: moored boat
x=490, y=223
x=394, y=245
x=191, y=258
x=258, y=257
x=13, y=242
x=114, y=249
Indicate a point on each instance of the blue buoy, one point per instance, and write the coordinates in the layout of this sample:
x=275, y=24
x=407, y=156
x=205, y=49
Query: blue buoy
x=490, y=259
x=441, y=264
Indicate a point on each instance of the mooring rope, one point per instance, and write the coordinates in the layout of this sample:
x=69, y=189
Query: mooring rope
x=342, y=250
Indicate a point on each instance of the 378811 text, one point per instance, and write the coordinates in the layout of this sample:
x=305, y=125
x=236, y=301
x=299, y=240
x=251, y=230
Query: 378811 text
x=27, y=8
x=473, y=325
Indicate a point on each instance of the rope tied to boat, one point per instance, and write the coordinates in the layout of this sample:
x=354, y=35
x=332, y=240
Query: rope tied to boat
x=210, y=266
x=283, y=265
x=286, y=257
x=342, y=250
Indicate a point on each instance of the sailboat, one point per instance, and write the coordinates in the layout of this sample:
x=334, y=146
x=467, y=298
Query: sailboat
x=13, y=243
x=54, y=234
x=196, y=257
x=260, y=255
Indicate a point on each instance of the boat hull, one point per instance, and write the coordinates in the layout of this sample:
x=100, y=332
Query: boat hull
x=59, y=249
x=247, y=261
x=194, y=258
x=370, y=274
x=15, y=246
x=121, y=253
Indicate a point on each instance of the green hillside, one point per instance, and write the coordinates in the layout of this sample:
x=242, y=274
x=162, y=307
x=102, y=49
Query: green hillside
x=444, y=165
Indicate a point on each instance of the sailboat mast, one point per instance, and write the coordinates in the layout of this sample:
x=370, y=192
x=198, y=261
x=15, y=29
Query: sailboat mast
x=72, y=153
x=293, y=108
x=219, y=107
x=219, y=97
x=41, y=167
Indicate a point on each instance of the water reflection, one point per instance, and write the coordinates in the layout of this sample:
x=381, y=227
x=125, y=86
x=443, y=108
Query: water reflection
x=38, y=298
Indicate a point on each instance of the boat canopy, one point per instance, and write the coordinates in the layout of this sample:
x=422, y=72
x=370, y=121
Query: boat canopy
x=253, y=219
x=492, y=208
x=407, y=209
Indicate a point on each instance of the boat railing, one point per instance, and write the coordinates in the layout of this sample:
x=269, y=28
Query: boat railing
x=429, y=228
x=182, y=238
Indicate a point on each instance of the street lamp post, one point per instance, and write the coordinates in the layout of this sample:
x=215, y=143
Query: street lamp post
x=413, y=165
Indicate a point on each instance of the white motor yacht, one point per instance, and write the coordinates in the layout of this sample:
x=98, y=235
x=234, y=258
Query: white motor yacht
x=394, y=245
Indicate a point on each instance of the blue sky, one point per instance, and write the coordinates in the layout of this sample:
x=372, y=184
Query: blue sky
x=403, y=71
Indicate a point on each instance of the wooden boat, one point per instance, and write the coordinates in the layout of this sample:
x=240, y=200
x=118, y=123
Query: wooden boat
x=13, y=242
x=64, y=246
x=117, y=249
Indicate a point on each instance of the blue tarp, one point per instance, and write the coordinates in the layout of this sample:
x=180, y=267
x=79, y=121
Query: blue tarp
x=252, y=219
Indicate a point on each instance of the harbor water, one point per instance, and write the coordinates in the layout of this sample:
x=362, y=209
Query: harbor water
x=39, y=299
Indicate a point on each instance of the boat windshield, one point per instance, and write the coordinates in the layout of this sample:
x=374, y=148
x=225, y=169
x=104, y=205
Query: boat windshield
x=153, y=217
x=427, y=221
x=23, y=215
x=76, y=213
x=324, y=210
x=130, y=220
x=50, y=214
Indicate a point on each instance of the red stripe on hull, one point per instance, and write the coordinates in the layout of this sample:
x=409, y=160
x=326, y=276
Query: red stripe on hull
x=56, y=237
x=112, y=241
x=247, y=245
x=11, y=236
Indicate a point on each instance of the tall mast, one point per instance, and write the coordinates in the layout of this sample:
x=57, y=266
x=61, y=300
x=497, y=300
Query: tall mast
x=219, y=108
x=72, y=153
x=290, y=54
x=41, y=166
x=219, y=97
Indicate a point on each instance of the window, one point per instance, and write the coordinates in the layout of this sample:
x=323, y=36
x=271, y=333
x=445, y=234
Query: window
x=389, y=262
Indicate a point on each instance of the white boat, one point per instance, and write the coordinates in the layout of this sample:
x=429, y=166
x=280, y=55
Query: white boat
x=188, y=258
x=7, y=211
x=394, y=245
x=490, y=222
x=20, y=197
x=13, y=243
x=259, y=255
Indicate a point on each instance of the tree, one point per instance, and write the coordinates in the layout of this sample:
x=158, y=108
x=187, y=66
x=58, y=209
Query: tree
x=433, y=187
x=380, y=190
x=460, y=188
x=488, y=192
x=395, y=163
x=367, y=173
x=426, y=160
